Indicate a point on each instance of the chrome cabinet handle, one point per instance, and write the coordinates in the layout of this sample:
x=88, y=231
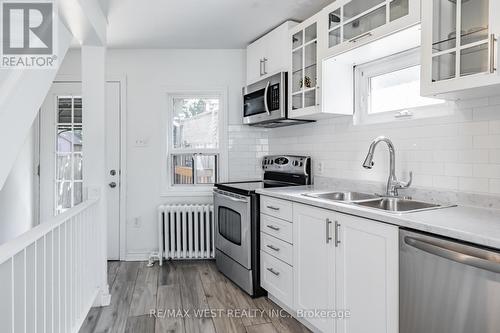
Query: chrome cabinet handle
x=273, y=271
x=265, y=62
x=266, y=107
x=261, y=64
x=337, y=230
x=273, y=208
x=462, y=254
x=328, y=237
x=272, y=227
x=492, y=53
x=355, y=39
x=274, y=248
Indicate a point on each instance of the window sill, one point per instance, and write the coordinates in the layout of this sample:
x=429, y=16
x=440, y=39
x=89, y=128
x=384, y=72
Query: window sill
x=391, y=117
x=187, y=192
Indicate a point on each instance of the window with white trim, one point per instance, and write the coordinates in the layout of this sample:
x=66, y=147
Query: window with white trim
x=388, y=89
x=68, y=153
x=194, y=143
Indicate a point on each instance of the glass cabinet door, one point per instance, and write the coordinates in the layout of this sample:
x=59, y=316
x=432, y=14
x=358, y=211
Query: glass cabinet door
x=358, y=17
x=304, y=67
x=460, y=47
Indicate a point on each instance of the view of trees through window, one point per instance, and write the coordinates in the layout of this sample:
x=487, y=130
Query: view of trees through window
x=195, y=139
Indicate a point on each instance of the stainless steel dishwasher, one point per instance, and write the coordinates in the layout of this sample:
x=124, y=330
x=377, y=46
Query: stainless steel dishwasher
x=447, y=286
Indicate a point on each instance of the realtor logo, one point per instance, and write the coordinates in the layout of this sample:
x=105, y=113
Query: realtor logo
x=27, y=34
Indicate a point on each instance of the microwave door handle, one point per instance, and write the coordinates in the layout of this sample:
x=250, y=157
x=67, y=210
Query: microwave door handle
x=265, y=98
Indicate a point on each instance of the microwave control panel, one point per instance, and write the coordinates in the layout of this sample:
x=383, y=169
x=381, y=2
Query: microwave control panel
x=274, y=97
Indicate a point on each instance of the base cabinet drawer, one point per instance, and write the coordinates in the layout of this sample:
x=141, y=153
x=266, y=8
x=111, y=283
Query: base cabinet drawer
x=277, y=228
x=276, y=207
x=277, y=248
x=277, y=278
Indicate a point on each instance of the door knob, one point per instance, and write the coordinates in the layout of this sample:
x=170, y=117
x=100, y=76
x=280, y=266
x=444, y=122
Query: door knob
x=112, y=172
x=112, y=184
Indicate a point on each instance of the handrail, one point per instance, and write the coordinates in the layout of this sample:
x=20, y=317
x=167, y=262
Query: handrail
x=12, y=247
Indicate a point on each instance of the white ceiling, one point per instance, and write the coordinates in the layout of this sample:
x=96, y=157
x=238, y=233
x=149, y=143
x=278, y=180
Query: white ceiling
x=199, y=24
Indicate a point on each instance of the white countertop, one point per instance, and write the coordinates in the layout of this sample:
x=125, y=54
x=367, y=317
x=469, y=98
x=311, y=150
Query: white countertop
x=476, y=225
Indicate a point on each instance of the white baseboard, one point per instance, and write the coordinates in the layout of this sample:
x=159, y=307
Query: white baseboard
x=138, y=256
x=103, y=298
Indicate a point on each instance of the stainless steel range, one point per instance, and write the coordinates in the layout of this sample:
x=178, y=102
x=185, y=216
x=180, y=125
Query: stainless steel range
x=237, y=213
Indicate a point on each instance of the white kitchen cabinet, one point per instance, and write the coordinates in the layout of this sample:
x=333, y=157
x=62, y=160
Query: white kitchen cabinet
x=347, y=263
x=314, y=263
x=276, y=277
x=350, y=23
x=460, y=48
x=366, y=279
x=269, y=54
x=305, y=71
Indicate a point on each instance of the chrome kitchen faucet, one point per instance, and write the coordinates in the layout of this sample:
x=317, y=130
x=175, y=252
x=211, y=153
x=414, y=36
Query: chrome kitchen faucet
x=393, y=184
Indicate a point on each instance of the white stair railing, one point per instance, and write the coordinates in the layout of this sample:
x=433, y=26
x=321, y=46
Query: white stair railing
x=50, y=276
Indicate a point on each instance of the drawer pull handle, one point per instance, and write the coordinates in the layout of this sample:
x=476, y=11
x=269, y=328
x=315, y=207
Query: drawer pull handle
x=274, y=248
x=273, y=271
x=273, y=208
x=337, y=237
x=272, y=227
x=492, y=53
x=328, y=237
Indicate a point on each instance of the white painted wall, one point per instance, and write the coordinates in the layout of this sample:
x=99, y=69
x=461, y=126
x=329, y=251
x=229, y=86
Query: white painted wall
x=17, y=197
x=22, y=92
x=149, y=73
x=460, y=152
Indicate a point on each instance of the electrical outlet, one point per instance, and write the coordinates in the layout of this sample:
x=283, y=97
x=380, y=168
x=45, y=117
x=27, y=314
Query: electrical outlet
x=319, y=168
x=141, y=142
x=137, y=222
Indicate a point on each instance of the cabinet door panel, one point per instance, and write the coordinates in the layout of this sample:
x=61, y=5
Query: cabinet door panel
x=313, y=260
x=255, y=53
x=367, y=275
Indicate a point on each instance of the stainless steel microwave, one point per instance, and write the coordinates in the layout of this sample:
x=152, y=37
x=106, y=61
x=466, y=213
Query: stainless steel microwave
x=265, y=103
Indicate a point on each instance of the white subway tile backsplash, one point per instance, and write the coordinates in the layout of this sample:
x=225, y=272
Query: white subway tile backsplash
x=473, y=103
x=473, y=156
x=486, y=113
x=455, y=169
x=445, y=182
x=487, y=142
x=495, y=186
x=469, y=184
x=494, y=127
x=455, y=152
x=487, y=170
x=494, y=156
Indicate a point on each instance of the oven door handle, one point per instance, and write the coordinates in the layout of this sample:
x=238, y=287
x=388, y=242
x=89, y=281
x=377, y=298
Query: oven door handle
x=266, y=91
x=230, y=198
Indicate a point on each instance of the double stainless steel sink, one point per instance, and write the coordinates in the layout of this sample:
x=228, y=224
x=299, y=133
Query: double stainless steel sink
x=373, y=201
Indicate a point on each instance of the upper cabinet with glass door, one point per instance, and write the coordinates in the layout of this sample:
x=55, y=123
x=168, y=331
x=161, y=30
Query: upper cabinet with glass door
x=354, y=22
x=304, y=77
x=459, y=48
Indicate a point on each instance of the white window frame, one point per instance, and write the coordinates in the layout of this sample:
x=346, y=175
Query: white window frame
x=364, y=72
x=192, y=190
x=72, y=125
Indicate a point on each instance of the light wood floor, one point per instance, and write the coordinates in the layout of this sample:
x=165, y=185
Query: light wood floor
x=189, y=285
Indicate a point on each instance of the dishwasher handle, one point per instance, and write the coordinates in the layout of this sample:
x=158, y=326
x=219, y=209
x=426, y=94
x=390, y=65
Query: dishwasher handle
x=463, y=254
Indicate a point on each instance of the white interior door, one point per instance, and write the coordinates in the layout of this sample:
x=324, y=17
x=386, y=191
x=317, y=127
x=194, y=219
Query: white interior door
x=113, y=134
x=61, y=159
